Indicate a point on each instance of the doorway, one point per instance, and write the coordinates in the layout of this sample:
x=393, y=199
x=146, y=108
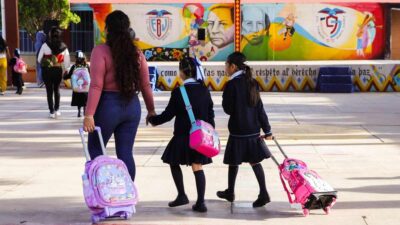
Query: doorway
x=395, y=35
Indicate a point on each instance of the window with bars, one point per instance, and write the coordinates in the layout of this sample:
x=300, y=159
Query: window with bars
x=82, y=34
x=26, y=45
x=25, y=42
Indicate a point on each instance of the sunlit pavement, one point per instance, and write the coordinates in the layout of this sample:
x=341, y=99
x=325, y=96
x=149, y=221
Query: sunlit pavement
x=351, y=140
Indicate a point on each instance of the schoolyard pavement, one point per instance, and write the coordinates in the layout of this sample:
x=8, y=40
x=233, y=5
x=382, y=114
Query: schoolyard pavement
x=351, y=140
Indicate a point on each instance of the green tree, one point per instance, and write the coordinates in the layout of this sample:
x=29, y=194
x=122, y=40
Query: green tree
x=33, y=13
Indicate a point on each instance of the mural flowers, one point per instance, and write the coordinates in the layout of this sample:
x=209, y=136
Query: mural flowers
x=178, y=55
x=164, y=54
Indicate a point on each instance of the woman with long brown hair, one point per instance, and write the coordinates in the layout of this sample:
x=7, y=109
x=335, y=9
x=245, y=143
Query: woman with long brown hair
x=118, y=72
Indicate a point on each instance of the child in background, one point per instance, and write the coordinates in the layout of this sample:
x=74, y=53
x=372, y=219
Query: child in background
x=17, y=79
x=79, y=99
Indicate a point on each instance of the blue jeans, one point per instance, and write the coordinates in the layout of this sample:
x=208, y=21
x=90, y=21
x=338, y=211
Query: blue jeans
x=116, y=116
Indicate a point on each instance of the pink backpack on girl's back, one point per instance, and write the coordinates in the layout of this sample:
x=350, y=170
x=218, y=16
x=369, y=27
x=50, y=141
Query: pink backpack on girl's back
x=203, y=137
x=80, y=80
x=20, y=66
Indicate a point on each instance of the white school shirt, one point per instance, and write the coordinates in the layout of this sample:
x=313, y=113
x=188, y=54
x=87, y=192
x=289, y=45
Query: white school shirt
x=236, y=74
x=190, y=80
x=45, y=50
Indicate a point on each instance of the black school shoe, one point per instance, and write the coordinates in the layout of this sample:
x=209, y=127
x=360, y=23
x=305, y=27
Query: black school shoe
x=199, y=207
x=180, y=200
x=261, y=201
x=227, y=195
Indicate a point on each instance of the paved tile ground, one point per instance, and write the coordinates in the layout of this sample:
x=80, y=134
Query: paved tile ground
x=352, y=140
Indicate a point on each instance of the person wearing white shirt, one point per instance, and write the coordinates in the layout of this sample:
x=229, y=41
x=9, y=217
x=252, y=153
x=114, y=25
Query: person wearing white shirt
x=54, y=59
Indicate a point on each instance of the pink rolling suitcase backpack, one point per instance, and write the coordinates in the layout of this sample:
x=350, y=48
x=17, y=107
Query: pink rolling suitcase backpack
x=203, y=137
x=107, y=185
x=309, y=189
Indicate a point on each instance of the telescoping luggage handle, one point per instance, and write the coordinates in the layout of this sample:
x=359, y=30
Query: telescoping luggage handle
x=85, y=147
x=280, y=149
x=280, y=167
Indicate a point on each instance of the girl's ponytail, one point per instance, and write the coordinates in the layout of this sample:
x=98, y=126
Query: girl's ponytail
x=253, y=95
x=252, y=89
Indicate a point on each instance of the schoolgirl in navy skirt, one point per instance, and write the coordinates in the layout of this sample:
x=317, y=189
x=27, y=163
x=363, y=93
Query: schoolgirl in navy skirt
x=178, y=151
x=241, y=101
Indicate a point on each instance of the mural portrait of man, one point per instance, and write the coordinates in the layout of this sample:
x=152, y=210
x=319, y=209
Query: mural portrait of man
x=255, y=24
x=220, y=27
x=255, y=28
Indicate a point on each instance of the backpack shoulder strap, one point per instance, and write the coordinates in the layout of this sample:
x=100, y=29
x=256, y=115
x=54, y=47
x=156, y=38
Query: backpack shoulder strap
x=187, y=104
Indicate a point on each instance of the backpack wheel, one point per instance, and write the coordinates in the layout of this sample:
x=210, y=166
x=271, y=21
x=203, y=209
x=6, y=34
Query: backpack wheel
x=95, y=219
x=333, y=202
x=306, y=212
x=128, y=215
x=327, y=210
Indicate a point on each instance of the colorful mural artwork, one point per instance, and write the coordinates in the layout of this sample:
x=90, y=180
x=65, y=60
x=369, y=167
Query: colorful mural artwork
x=340, y=31
x=286, y=31
x=168, y=32
x=381, y=77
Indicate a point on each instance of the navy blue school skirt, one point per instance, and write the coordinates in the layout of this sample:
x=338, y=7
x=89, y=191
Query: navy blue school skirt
x=245, y=149
x=178, y=152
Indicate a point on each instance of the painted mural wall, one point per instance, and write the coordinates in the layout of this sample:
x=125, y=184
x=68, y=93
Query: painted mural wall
x=287, y=31
x=380, y=77
x=168, y=32
x=312, y=31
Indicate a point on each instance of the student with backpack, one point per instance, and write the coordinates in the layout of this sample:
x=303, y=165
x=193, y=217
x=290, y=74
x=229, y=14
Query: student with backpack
x=80, y=81
x=18, y=68
x=54, y=59
x=178, y=151
x=241, y=101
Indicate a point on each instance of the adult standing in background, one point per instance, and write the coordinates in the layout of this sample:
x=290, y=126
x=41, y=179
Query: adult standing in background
x=53, y=55
x=118, y=71
x=4, y=54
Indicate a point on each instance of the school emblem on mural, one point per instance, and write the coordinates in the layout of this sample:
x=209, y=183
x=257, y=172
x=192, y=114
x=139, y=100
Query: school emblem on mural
x=158, y=24
x=331, y=23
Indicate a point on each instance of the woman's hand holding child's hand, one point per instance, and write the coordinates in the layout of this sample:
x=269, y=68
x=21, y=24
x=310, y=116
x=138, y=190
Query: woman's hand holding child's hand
x=150, y=114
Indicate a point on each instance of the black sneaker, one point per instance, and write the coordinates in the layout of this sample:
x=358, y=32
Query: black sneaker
x=227, y=195
x=199, y=207
x=180, y=200
x=261, y=201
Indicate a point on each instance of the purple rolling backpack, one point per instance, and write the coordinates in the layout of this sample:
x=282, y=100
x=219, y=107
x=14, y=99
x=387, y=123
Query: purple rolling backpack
x=107, y=185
